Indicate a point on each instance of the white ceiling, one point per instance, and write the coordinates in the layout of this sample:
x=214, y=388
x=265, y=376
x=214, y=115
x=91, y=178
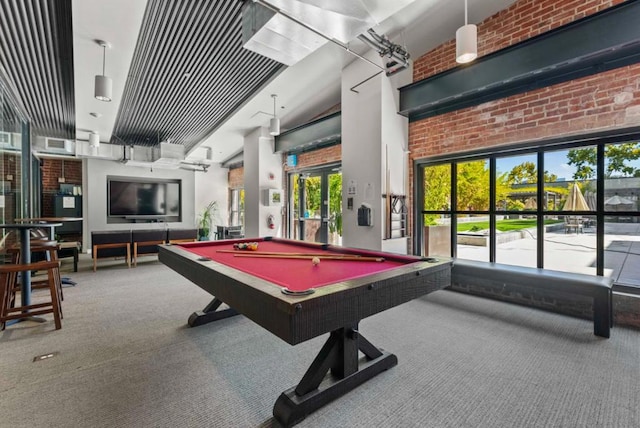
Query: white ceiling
x=304, y=90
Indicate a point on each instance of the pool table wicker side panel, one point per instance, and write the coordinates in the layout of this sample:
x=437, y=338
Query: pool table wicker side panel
x=245, y=297
x=318, y=313
x=334, y=311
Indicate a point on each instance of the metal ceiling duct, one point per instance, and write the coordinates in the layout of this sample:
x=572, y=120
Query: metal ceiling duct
x=37, y=57
x=189, y=73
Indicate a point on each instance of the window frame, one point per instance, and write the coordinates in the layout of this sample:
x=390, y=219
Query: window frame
x=598, y=140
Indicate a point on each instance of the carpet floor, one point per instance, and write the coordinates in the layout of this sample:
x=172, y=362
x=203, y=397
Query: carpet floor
x=126, y=358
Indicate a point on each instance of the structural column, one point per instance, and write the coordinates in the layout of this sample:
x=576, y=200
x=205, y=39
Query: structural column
x=374, y=154
x=262, y=171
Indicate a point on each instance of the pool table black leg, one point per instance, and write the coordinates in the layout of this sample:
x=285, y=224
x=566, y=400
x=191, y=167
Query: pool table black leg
x=339, y=355
x=210, y=314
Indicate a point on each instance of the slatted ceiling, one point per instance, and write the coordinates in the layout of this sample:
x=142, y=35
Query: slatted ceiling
x=203, y=38
x=37, y=56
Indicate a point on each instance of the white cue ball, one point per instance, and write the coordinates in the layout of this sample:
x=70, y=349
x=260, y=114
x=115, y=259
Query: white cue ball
x=315, y=261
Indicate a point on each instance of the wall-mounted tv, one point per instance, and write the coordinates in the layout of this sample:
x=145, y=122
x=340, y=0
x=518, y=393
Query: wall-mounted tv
x=144, y=199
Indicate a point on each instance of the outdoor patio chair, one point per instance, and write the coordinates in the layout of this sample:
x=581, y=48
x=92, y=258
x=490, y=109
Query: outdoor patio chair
x=572, y=224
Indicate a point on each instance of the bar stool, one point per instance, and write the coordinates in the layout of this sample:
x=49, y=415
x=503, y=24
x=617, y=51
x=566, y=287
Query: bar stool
x=50, y=251
x=8, y=310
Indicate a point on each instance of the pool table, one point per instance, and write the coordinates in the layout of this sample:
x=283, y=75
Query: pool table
x=299, y=290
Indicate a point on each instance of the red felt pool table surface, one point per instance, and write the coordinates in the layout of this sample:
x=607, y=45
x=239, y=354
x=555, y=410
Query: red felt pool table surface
x=296, y=274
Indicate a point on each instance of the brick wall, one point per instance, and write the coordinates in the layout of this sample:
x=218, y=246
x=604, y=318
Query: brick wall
x=609, y=100
x=318, y=157
x=521, y=21
x=604, y=101
x=236, y=178
x=51, y=170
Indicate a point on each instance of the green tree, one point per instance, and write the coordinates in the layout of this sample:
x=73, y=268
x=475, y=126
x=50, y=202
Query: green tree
x=618, y=157
x=526, y=172
x=335, y=203
x=437, y=191
x=473, y=186
x=312, y=194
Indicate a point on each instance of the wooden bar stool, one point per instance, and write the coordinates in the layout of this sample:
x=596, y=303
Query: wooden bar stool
x=50, y=250
x=8, y=275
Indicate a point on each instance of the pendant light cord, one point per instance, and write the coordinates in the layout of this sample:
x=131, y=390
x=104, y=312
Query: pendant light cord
x=466, y=20
x=104, y=56
x=274, y=105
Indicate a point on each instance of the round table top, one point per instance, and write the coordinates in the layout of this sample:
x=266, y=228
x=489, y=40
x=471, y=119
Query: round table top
x=28, y=225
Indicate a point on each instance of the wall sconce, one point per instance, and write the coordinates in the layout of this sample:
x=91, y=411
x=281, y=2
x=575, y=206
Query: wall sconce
x=103, y=85
x=466, y=40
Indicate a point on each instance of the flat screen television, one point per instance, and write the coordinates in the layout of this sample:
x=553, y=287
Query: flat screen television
x=145, y=199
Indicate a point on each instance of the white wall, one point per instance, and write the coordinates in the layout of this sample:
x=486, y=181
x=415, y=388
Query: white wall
x=94, y=177
x=262, y=170
x=213, y=186
x=374, y=141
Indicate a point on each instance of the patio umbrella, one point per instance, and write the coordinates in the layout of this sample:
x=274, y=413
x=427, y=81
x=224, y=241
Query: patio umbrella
x=530, y=204
x=575, y=201
x=618, y=203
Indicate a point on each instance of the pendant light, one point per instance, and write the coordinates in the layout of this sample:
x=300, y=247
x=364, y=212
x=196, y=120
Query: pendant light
x=466, y=40
x=103, y=84
x=274, y=123
x=94, y=139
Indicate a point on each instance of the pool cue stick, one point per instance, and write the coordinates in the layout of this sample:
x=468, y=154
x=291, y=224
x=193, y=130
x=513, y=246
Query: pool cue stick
x=388, y=195
x=284, y=256
x=275, y=252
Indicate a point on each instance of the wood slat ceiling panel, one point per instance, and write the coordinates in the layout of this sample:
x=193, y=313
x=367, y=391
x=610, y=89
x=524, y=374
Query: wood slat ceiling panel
x=204, y=40
x=37, y=55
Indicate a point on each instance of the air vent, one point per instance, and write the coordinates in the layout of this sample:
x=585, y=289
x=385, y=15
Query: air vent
x=56, y=145
x=9, y=140
x=168, y=154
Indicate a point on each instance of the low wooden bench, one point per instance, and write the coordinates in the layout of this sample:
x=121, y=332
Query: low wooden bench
x=519, y=277
x=111, y=244
x=146, y=241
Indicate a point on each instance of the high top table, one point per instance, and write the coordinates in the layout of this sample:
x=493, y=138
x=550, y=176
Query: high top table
x=51, y=223
x=25, y=254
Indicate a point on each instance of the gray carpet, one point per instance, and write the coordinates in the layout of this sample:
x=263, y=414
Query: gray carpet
x=127, y=359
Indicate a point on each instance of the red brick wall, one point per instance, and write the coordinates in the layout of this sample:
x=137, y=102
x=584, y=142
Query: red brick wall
x=603, y=101
x=318, y=157
x=521, y=21
x=236, y=178
x=51, y=170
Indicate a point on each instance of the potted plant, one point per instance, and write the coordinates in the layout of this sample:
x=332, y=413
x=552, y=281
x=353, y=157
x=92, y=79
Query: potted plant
x=205, y=221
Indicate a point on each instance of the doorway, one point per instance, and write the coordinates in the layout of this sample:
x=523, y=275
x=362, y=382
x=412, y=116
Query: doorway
x=316, y=205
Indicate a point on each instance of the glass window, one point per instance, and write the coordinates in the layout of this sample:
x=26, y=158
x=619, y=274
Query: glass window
x=473, y=237
x=10, y=168
x=571, y=182
x=571, y=226
x=622, y=249
x=436, y=238
x=622, y=178
x=437, y=189
x=569, y=246
x=472, y=189
x=517, y=183
x=236, y=207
